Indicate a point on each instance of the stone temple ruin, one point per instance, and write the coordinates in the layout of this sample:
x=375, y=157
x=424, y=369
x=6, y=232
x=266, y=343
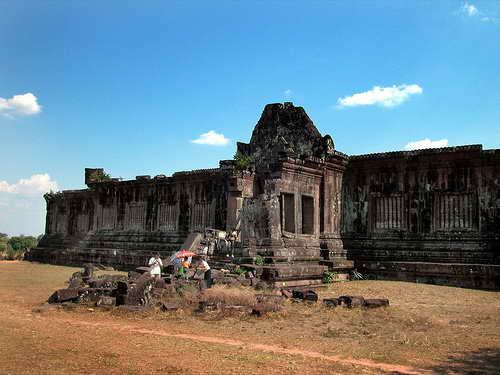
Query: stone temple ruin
x=301, y=207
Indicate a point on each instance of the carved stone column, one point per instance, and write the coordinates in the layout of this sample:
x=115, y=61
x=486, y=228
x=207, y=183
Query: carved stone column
x=331, y=241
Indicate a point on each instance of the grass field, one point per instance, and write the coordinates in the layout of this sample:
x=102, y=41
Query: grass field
x=427, y=329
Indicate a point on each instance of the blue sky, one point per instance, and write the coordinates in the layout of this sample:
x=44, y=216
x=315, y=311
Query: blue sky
x=128, y=87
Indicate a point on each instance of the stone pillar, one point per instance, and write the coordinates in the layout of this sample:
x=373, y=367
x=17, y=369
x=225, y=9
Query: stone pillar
x=331, y=241
x=234, y=204
x=239, y=187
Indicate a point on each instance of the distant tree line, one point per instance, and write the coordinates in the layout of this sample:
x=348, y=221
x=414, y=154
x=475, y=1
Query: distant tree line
x=13, y=248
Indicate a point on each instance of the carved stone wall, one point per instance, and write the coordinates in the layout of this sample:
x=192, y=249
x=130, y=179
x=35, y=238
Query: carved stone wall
x=436, y=206
x=429, y=215
x=122, y=223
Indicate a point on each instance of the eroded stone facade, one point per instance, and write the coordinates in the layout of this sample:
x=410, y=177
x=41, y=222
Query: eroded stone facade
x=300, y=205
x=428, y=215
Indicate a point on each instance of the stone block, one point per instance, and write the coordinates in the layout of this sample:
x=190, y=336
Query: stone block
x=63, y=295
x=169, y=306
x=331, y=302
x=376, y=302
x=351, y=301
x=307, y=295
x=106, y=301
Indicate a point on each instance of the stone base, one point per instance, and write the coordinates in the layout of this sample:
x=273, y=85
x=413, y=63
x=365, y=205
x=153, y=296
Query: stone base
x=122, y=250
x=298, y=283
x=479, y=276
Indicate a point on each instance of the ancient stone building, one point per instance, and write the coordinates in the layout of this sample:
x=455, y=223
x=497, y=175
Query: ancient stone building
x=427, y=215
x=302, y=206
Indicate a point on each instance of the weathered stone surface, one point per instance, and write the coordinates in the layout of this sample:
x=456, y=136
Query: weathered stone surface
x=376, y=302
x=307, y=295
x=169, y=306
x=331, y=302
x=106, y=301
x=138, y=292
x=351, y=301
x=294, y=200
x=262, y=308
x=285, y=129
x=204, y=306
x=75, y=283
x=92, y=295
x=425, y=215
x=63, y=295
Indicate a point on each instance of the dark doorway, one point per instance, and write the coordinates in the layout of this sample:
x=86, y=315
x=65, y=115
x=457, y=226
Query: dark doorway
x=307, y=215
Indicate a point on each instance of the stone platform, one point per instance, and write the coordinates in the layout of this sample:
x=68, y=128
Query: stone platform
x=479, y=276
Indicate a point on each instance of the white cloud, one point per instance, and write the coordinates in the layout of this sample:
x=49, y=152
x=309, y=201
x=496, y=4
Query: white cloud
x=20, y=105
x=287, y=93
x=211, y=138
x=383, y=96
x=22, y=205
x=426, y=143
x=469, y=9
x=35, y=185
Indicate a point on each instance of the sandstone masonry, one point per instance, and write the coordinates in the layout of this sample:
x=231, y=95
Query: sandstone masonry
x=302, y=206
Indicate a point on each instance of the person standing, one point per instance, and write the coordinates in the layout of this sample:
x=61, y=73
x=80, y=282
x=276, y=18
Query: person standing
x=207, y=276
x=155, y=265
x=186, y=263
x=177, y=266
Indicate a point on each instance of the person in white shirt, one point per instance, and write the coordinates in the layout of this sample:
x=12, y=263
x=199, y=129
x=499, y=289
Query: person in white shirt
x=155, y=264
x=207, y=271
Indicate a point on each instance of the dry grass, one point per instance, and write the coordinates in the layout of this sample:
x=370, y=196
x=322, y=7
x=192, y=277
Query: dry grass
x=221, y=294
x=426, y=326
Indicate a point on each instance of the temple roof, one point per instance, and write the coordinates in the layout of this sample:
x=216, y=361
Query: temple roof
x=286, y=129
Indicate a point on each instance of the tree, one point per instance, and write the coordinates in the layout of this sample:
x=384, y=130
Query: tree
x=4, y=240
x=22, y=243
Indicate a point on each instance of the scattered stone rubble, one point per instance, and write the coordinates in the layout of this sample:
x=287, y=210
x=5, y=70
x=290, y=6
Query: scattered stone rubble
x=140, y=291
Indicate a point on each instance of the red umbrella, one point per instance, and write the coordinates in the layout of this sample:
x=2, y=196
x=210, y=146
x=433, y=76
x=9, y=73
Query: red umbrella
x=185, y=254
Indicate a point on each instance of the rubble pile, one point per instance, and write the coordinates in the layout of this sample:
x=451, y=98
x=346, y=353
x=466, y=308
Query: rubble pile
x=139, y=291
x=235, y=292
x=103, y=290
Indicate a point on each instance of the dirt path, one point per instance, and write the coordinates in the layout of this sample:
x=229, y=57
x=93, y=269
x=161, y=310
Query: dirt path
x=386, y=367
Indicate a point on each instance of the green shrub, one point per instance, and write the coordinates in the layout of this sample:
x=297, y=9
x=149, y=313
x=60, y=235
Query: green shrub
x=240, y=270
x=97, y=176
x=22, y=243
x=11, y=254
x=329, y=277
x=259, y=261
x=242, y=161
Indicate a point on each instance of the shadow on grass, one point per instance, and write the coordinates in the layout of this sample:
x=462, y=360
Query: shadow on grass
x=483, y=361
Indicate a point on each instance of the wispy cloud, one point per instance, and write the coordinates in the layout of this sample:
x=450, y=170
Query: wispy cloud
x=34, y=185
x=382, y=96
x=20, y=105
x=426, y=143
x=470, y=10
x=211, y=138
x=288, y=94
